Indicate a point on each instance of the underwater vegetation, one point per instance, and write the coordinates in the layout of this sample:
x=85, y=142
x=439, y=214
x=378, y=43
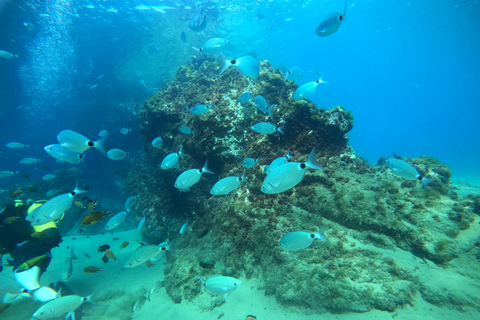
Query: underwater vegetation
x=361, y=207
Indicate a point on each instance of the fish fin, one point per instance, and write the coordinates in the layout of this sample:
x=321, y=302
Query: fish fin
x=197, y=49
x=270, y=110
x=99, y=144
x=77, y=190
x=225, y=296
x=289, y=155
x=180, y=153
x=225, y=62
x=206, y=169
x=312, y=162
x=243, y=177
x=280, y=129
x=320, y=234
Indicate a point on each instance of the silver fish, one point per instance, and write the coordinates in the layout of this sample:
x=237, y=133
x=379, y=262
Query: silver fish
x=221, y=285
x=59, y=307
x=331, y=23
x=190, y=177
x=67, y=269
x=227, y=185
x=116, y=220
x=139, y=303
x=171, y=160
x=299, y=240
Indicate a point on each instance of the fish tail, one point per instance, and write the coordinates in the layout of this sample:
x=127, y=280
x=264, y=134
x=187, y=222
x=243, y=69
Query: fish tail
x=321, y=80
x=289, y=155
x=100, y=144
x=243, y=177
x=312, y=162
x=321, y=234
x=77, y=190
x=280, y=129
x=206, y=169
x=180, y=151
x=225, y=62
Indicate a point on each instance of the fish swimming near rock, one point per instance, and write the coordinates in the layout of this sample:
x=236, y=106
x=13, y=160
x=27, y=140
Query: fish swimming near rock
x=295, y=73
x=188, y=178
x=186, y=130
x=267, y=128
x=213, y=45
x=171, y=160
x=288, y=175
x=200, y=108
x=307, y=89
x=406, y=171
x=145, y=253
x=94, y=218
x=227, y=185
x=130, y=202
x=244, y=97
x=116, y=154
x=157, y=142
x=116, y=220
x=247, y=64
x=299, y=240
x=250, y=162
x=277, y=162
x=331, y=23
x=221, y=285
x=261, y=103
x=139, y=303
x=60, y=307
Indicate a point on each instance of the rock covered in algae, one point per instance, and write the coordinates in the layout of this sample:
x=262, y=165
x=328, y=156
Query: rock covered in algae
x=371, y=216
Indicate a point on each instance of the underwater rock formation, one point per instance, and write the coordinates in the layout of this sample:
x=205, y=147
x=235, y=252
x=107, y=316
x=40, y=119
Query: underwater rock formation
x=367, y=212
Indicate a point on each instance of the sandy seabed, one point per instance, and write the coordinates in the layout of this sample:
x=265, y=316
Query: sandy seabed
x=115, y=289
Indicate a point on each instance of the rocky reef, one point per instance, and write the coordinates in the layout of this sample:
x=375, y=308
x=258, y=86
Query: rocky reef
x=383, y=231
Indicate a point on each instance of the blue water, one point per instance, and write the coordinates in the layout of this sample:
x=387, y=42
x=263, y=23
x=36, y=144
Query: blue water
x=407, y=70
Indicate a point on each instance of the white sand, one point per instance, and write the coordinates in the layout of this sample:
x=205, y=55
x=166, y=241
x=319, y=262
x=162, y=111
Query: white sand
x=116, y=290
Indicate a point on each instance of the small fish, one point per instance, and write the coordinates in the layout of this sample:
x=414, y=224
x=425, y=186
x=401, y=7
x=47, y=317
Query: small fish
x=28, y=161
x=331, y=23
x=188, y=178
x=116, y=238
x=299, y=240
x=130, y=202
x=92, y=205
x=94, y=217
x=139, y=303
x=227, y=185
x=67, y=269
x=171, y=160
x=63, y=155
x=59, y=307
x=116, y=154
x=148, y=264
x=141, y=225
x=247, y=64
x=221, y=285
x=186, y=130
x=103, y=133
x=78, y=204
x=25, y=176
x=28, y=25
x=250, y=162
x=183, y=37
x=157, y=142
x=261, y=103
x=116, y=220
x=92, y=269
x=104, y=247
x=250, y=317
x=406, y=171
x=156, y=287
x=198, y=22
x=10, y=220
x=183, y=228
x=7, y=55
x=146, y=253
x=110, y=254
x=77, y=142
x=267, y=128
x=287, y=176
x=72, y=253
x=277, y=162
x=52, y=192
x=200, y=108
x=105, y=259
x=48, y=177
x=33, y=189
x=7, y=174
x=15, y=145
x=125, y=131
x=15, y=194
x=307, y=89
x=244, y=97
x=213, y=45
x=295, y=73
x=124, y=244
